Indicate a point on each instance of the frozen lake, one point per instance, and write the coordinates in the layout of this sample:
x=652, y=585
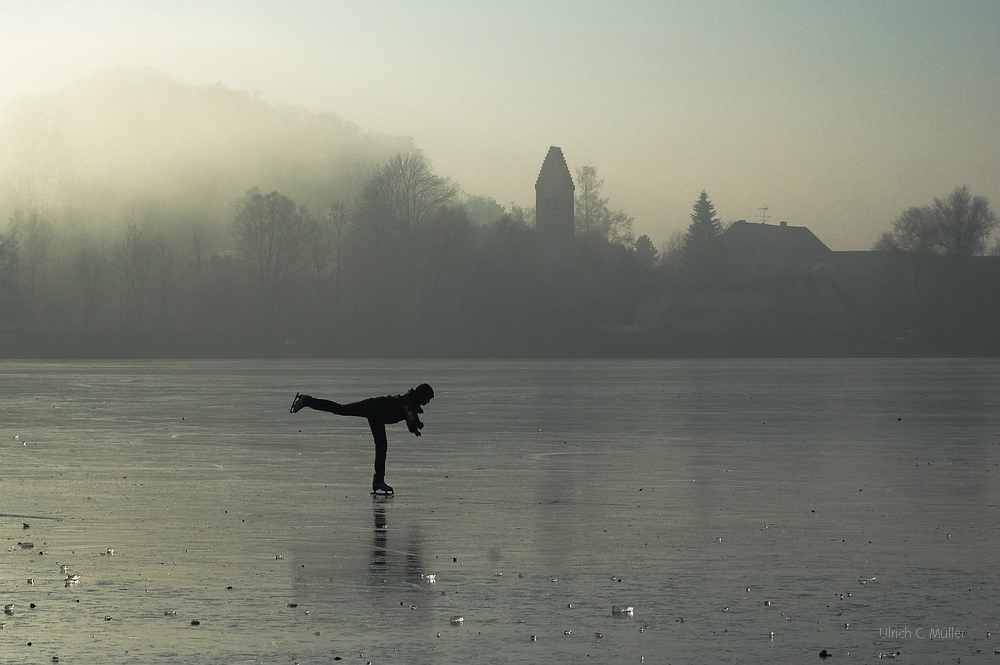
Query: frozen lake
x=749, y=511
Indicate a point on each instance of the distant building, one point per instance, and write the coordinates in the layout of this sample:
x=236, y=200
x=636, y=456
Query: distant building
x=759, y=251
x=554, y=203
x=779, y=279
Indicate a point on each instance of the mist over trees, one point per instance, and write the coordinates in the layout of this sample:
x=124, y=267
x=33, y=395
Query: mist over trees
x=149, y=218
x=146, y=217
x=82, y=155
x=271, y=235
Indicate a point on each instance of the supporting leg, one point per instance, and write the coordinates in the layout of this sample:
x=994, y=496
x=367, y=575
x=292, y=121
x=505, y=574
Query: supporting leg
x=377, y=410
x=381, y=448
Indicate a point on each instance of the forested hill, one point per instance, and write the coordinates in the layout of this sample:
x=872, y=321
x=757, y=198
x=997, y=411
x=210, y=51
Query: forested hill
x=90, y=151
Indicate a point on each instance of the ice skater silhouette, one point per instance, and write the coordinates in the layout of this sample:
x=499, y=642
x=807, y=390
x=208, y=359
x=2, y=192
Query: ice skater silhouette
x=380, y=411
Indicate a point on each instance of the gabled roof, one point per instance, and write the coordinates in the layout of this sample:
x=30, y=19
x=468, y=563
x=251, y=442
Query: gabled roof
x=783, y=241
x=554, y=172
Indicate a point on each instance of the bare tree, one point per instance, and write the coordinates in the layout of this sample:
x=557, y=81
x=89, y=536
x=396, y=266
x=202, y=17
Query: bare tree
x=957, y=226
x=672, y=251
x=404, y=191
x=338, y=217
x=33, y=236
x=944, y=235
x=964, y=223
x=198, y=251
x=592, y=215
x=318, y=246
x=132, y=270
x=10, y=299
x=620, y=228
x=913, y=234
x=394, y=205
x=165, y=275
x=89, y=273
x=270, y=234
x=318, y=252
x=199, y=254
x=37, y=238
x=591, y=209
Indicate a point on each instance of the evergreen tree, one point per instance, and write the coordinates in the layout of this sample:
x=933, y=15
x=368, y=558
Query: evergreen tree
x=703, y=252
x=646, y=254
x=704, y=227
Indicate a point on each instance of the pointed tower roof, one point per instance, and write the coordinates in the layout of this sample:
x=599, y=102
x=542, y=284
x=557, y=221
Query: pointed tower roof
x=554, y=172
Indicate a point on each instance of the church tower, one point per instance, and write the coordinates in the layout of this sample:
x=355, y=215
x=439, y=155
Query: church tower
x=554, y=202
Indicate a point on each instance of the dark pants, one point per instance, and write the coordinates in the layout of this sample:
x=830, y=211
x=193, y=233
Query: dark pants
x=379, y=413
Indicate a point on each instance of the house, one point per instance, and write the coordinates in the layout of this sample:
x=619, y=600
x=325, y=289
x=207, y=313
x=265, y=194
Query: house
x=757, y=252
x=777, y=281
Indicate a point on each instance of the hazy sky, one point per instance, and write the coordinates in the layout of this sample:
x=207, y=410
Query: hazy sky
x=835, y=115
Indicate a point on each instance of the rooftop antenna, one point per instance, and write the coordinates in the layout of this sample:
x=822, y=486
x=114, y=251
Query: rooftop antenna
x=763, y=215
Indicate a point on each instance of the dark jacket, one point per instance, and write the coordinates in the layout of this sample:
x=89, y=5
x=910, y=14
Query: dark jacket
x=397, y=408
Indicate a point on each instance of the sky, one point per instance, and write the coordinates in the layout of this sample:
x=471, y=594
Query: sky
x=836, y=115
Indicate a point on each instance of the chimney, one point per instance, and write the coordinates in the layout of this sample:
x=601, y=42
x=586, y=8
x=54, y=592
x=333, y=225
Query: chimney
x=784, y=223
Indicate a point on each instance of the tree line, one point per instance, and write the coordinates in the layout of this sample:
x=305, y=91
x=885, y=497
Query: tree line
x=930, y=286
x=943, y=291
x=151, y=244
x=401, y=270
x=411, y=266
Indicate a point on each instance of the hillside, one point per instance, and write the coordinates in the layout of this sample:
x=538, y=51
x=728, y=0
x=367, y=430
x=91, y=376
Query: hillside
x=104, y=144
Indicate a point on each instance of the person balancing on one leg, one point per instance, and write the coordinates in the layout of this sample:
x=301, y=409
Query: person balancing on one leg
x=380, y=411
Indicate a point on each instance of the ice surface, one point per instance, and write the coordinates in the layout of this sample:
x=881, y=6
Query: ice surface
x=733, y=505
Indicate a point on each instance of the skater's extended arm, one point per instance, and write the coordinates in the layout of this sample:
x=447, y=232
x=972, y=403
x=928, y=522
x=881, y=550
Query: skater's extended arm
x=410, y=403
x=412, y=419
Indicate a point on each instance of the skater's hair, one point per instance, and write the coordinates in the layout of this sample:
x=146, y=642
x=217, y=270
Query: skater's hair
x=424, y=393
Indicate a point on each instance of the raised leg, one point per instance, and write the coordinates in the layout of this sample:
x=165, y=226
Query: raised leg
x=366, y=408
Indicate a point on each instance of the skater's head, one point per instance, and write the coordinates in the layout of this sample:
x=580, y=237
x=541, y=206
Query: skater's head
x=424, y=393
